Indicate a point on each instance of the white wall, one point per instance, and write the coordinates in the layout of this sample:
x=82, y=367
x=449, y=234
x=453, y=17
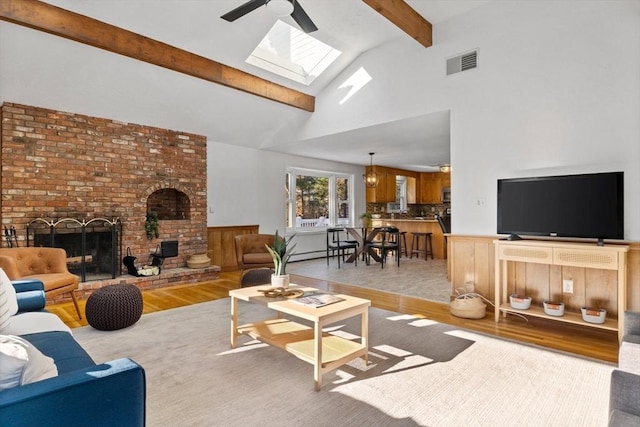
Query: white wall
x=557, y=91
x=246, y=186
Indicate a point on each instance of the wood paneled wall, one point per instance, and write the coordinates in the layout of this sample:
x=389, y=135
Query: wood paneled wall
x=471, y=262
x=633, y=277
x=221, y=248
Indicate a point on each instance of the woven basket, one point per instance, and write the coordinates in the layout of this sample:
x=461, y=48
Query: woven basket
x=468, y=307
x=198, y=261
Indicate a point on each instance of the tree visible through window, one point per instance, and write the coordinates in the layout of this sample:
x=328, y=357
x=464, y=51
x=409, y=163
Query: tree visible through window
x=318, y=199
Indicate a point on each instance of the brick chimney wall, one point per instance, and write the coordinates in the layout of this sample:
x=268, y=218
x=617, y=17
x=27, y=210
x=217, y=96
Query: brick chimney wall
x=65, y=165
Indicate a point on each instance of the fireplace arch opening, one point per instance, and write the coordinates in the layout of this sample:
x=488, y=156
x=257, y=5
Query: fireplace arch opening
x=169, y=204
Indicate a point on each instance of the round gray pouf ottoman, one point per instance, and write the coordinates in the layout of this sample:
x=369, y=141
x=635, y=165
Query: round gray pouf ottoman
x=114, y=307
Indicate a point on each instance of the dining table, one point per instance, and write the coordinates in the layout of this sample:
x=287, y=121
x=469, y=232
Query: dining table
x=363, y=236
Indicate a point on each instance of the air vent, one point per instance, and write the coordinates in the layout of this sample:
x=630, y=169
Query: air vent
x=464, y=62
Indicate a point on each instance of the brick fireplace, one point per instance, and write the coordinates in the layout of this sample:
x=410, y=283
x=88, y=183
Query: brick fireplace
x=59, y=165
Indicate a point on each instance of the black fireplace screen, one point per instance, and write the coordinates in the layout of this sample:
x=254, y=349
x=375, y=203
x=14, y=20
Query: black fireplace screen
x=93, y=247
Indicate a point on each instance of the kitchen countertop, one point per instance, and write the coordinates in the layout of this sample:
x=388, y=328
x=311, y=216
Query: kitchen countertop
x=412, y=225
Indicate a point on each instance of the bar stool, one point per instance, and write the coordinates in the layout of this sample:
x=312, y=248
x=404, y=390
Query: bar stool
x=403, y=246
x=415, y=245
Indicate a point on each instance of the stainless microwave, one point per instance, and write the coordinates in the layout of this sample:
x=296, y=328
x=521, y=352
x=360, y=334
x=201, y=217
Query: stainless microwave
x=446, y=195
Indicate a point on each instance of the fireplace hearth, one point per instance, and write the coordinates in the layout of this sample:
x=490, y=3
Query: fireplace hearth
x=93, y=246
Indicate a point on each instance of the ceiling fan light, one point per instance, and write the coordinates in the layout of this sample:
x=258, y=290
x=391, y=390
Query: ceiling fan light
x=280, y=7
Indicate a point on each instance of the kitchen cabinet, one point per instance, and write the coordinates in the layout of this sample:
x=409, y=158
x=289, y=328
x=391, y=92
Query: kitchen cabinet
x=445, y=179
x=427, y=189
x=378, y=194
x=431, y=185
x=385, y=191
x=391, y=187
x=412, y=197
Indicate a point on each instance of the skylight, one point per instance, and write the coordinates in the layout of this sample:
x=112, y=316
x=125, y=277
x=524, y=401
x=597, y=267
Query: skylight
x=290, y=53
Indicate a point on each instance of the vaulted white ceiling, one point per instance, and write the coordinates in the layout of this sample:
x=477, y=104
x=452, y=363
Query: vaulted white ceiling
x=108, y=85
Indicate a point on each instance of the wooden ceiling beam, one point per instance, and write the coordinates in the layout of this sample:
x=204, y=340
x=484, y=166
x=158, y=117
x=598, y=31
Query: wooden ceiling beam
x=83, y=29
x=405, y=18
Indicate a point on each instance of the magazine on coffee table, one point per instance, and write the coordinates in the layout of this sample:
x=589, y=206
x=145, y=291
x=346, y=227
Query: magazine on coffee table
x=317, y=299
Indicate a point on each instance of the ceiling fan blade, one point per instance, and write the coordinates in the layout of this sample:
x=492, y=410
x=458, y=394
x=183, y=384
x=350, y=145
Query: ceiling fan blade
x=303, y=20
x=242, y=10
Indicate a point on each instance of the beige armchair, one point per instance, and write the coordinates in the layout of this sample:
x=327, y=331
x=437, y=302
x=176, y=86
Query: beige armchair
x=251, y=251
x=49, y=265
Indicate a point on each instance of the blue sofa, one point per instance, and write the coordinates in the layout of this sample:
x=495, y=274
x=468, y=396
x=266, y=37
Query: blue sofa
x=83, y=393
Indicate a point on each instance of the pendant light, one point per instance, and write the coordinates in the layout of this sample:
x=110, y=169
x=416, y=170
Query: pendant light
x=371, y=177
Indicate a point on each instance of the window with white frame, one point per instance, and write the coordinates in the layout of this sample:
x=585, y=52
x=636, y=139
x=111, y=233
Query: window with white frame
x=318, y=199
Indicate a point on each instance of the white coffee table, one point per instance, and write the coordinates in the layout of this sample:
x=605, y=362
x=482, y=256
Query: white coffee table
x=324, y=351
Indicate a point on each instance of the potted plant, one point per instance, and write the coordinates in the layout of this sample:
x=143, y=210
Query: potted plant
x=281, y=253
x=366, y=219
x=151, y=225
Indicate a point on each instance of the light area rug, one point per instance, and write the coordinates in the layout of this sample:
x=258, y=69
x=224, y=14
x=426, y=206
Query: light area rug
x=420, y=373
x=415, y=276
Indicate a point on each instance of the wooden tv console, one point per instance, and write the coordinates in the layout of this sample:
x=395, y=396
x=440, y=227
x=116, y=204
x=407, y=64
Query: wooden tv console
x=607, y=257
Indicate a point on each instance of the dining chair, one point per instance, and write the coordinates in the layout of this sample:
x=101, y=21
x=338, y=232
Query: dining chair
x=389, y=241
x=335, y=242
x=445, y=223
x=445, y=226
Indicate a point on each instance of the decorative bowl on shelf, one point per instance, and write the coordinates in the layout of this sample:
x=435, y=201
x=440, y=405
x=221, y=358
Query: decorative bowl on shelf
x=553, y=308
x=376, y=216
x=594, y=315
x=520, y=302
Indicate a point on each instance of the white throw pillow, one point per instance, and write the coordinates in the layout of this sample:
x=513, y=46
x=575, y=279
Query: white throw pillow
x=8, y=300
x=21, y=363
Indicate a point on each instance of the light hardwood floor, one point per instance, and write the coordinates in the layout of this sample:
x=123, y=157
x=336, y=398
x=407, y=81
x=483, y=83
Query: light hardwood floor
x=602, y=345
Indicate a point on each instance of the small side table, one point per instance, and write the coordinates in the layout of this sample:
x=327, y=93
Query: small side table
x=114, y=307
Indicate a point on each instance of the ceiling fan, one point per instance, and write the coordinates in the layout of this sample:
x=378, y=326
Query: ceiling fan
x=278, y=8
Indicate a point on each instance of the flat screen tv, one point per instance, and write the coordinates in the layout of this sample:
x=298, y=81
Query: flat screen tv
x=577, y=206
